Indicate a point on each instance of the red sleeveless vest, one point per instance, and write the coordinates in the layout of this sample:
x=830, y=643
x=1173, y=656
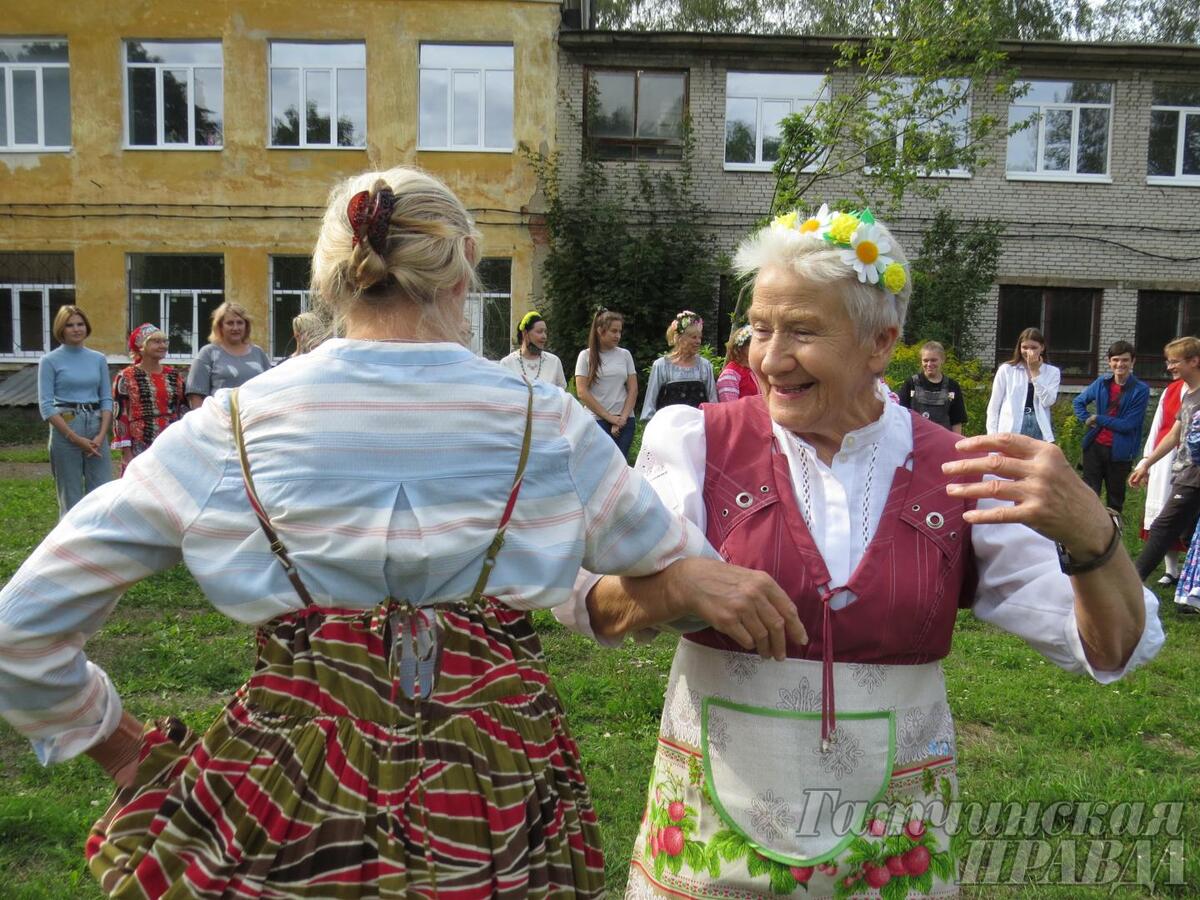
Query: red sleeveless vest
x=916, y=573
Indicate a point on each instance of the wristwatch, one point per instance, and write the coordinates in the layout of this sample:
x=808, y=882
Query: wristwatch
x=1071, y=567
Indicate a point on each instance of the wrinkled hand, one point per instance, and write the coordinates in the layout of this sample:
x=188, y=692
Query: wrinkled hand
x=1091, y=422
x=1047, y=495
x=745, y=604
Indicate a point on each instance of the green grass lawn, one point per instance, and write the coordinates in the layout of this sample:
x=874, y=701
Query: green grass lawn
x=1027, y=732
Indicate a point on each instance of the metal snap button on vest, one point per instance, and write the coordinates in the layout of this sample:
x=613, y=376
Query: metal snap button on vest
x=724, y=512
x=935, y=520
x=765, y=489
x=953, y=535
x=743, y=500
x=916, y=507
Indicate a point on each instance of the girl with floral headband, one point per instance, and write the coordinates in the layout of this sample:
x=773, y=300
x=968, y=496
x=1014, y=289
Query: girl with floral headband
x=736, y=380
x=531, y=360
x=149, y=396
x=682, y=376
x=819, y=772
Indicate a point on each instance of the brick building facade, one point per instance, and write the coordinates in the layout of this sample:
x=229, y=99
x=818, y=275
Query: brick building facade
x=1101, y=252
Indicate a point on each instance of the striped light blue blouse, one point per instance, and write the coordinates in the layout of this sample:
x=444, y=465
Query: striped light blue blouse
x=385, y=468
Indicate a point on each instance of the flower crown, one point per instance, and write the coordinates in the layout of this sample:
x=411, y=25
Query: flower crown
x=686, y=320
x=742, y=336
x=864, y=246
x=527, y=319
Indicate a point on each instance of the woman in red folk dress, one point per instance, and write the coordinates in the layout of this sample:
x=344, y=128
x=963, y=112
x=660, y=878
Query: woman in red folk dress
x=149, y=395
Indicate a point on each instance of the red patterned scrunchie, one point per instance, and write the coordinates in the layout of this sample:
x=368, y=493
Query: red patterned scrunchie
x=370, y=217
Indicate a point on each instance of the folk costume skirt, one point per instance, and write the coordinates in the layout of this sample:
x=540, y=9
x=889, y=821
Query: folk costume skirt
x=322, y=780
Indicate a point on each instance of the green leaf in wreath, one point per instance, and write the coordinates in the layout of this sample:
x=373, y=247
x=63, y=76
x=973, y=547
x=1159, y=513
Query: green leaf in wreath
x=782, y=880
x=674, y=863
x=660, y=863
x=688, y=826
x=895, y=844
x=714, y=864
x=695, y=856
x=756, y=865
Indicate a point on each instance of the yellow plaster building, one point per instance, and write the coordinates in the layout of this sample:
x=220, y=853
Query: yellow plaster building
x=154, y=159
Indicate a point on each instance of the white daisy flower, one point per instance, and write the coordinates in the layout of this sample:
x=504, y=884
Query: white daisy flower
x=868, y=253
x=818, y=221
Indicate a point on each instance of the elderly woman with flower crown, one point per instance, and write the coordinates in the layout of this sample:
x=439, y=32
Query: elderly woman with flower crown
x=682, y=376
x=149, y=395
x=826, y=767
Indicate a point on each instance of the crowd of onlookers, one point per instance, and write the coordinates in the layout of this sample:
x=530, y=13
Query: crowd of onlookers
x=83, y=407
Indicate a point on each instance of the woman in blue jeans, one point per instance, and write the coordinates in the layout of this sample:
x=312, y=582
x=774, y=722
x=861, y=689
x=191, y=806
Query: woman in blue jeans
x=606, y=379
x=75, y=397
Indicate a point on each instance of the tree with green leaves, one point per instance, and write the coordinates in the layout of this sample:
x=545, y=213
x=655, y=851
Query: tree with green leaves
x=637, y=246
x=951, y=279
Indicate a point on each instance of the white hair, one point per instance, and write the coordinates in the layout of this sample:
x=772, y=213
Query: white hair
x=870, y=307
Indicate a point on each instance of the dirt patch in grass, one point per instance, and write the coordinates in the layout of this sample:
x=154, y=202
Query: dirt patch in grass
x=976, y=734
x=23, y=471
x=1171, y=744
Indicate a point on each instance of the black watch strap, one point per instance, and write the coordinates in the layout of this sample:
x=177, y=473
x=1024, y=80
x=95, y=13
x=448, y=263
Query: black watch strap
x=1070, y=567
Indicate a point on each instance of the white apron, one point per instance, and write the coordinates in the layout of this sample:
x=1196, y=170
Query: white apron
x=744, y=803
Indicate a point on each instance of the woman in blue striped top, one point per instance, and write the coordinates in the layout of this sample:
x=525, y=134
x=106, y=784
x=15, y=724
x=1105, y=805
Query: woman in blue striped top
x=75, y=397
x=384, y=510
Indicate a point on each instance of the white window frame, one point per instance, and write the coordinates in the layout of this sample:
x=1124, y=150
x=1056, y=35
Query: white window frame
x=482, y=72
x=10, y=114
x=1178, y=178
x=302, y=72
x=163, y=321
x=798, y=104
x=15, y=312
x=159, y=118
x=933, y=173
x=274, y=292
x=473, y=310
x=1040, y=174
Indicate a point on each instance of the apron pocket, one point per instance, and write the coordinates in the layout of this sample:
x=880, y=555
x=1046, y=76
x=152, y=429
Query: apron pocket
x=771, y=783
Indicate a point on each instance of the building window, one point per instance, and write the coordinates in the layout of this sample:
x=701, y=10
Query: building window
x=1174, y=156
x=938, y=127
x=755, y=105
x=35, y=94
x=174, y=95
x=1162, y=316
x=466, y=97
x=490, y=310
x=1067, y=132
x=636, y=113
x=290, y=278
x=1068, y=317
x=328, y=82
x=32, y=288
x=179, y=295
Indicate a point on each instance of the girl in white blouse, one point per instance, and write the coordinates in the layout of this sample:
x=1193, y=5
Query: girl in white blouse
x=1024, y=389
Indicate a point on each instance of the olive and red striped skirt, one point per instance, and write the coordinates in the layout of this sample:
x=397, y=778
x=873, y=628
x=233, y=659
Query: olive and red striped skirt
x=320, y=780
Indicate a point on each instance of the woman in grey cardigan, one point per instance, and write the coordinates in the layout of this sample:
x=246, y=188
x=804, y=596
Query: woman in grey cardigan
x=229, y=359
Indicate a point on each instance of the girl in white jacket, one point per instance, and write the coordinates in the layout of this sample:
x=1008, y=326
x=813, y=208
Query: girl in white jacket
x=1024, y=389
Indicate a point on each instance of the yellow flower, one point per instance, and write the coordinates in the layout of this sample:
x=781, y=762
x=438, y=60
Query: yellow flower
x=787, y=220
x=817, y=221
x=842, y=227
x=895, y=278
x=810, y=225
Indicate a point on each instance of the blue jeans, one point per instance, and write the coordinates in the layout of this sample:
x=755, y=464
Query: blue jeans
x=74, y=473
x=624, y=437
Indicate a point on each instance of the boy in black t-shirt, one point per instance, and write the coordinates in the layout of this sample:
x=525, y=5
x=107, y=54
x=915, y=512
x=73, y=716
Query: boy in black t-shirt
x=935, y=396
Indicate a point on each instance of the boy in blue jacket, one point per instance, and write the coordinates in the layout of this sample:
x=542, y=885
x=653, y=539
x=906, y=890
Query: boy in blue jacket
x=1114, y=435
